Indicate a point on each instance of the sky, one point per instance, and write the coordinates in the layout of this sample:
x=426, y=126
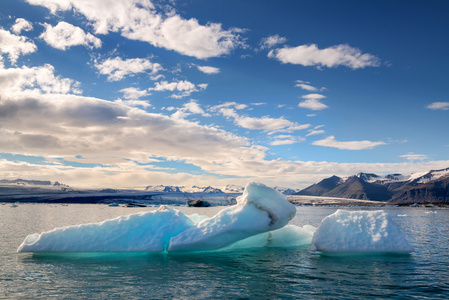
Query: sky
x=131, y=93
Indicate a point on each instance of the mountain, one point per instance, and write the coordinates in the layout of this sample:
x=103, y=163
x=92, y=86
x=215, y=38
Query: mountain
x=422, y=187
x=182, y=189
x=285, y=190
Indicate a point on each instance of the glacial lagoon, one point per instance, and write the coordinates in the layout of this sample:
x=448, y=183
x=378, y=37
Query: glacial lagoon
x=262, y=273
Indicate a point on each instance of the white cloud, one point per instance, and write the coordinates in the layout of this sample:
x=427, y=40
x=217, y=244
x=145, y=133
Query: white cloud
x=414, y=157
x=133, y=103
x=21, y=25
x=330, y=141
x=182, y=88
x=286, y=140
x=315, y=132
x=65, y=35
x=439, y=105
x=305, y=86
x=15, y=45
x=208, y=69
x=271, y=41
x=39, y=80
x=133, y=93
x=116, y=68
x=264, y=123
x=188, y=109
x=139, y=20
x=339, y=55
x=313, y=102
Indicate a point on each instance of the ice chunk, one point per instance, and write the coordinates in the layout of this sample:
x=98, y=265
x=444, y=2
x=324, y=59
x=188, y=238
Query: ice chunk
x=147, y=232
x=259, y=209
x=288, y=236
x=359, y=231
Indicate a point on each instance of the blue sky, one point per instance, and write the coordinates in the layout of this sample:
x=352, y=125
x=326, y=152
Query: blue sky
x=133, y=93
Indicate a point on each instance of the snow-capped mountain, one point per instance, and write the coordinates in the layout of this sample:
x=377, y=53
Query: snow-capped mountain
x=430, y=186
x=182, y=189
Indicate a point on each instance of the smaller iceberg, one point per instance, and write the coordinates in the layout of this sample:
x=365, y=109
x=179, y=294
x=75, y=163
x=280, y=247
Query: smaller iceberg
x=359, y=232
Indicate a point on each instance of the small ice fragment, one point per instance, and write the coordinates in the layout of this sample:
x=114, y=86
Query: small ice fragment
x=359, y=231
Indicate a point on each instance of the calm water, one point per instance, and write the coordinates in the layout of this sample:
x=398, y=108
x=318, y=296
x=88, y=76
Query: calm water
x=257, y=274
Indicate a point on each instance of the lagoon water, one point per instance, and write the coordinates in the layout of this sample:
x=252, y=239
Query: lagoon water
x=273, y=273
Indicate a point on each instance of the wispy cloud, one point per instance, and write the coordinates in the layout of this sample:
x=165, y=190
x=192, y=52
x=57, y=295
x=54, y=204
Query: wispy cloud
x=311, y=55
x=438, y=106
x=330, y=141
x=208, y=69
x=117, y=68
x=271, y=41
x=65, y=35
x=312, y=101
x=414, y=157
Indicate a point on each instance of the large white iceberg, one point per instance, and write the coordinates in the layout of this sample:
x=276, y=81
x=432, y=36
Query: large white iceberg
x=259, y=209
x=359, y=232
x=141, y=232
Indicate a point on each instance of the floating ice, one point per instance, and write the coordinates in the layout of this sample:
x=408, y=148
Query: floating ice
x=259, y=209
x=359, y=231
x=147, y=232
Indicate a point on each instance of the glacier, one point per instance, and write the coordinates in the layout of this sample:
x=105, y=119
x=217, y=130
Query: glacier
x=259, y=219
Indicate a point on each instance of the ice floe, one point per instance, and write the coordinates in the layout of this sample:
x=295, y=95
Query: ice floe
x=359, y=232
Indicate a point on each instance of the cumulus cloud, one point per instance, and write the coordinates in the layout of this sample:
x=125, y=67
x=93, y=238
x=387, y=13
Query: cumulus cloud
x=188, y=109
x=14, y=45
x=14, y=81
x=65, y=35
x=312, y=101
x=181, y=88
x=139, y=20
x=271, y=41
x=439, y=106
x=208, y=69
x=116, y=68
x=330, y=141
x=133, y=93
x=21, y=25
x=311, y=55
x=305, y=86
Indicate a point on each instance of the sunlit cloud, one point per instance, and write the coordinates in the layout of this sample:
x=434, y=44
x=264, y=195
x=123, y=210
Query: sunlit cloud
x=65, y=35
x=330, y=141
x=271, y=41
x=439, y=106
x=312, y=101
x=311, y=55
x=21, y=25
x=414, y=157
x=208, y=69
x=140, y=20
x=14, y=45
x=181, y=88
x=116, y=68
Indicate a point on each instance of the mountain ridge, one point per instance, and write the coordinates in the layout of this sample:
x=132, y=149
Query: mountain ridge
x=421, y=187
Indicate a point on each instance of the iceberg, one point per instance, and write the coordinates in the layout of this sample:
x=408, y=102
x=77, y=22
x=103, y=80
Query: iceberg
x=259, y=209
x=359, y=232
x=141, y=232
